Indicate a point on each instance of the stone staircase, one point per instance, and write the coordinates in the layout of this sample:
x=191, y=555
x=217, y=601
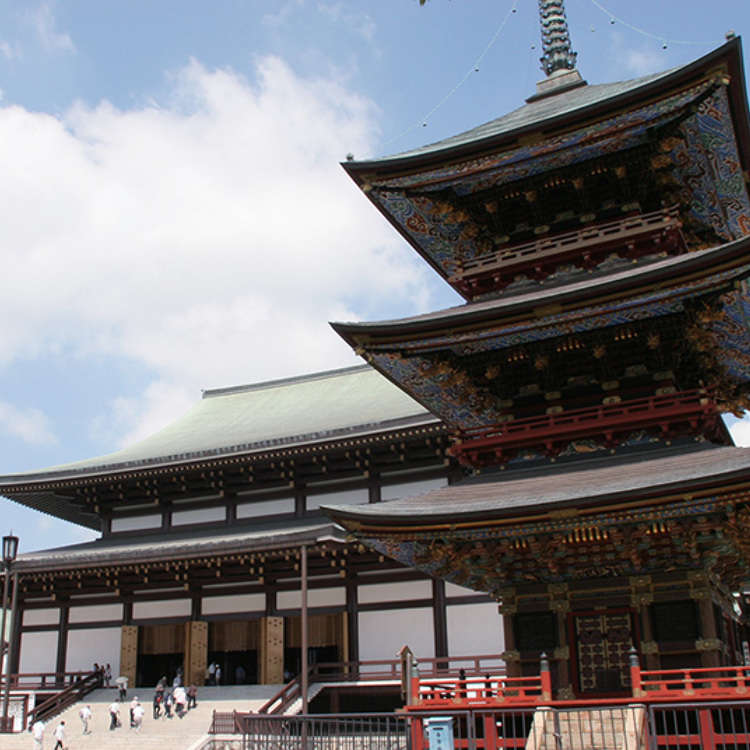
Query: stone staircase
x=616, y=728
x=161, y=734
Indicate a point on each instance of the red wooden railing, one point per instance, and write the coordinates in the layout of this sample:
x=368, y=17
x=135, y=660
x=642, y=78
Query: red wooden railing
x=704, y=683
x=661, y=411
x=383, y=669
x=658, y=230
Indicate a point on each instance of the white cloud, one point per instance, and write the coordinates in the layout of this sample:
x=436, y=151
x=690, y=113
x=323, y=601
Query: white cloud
x=30, y=425
x=359, y=22
x=42, y=20
x=209, y=238
x=9, y=51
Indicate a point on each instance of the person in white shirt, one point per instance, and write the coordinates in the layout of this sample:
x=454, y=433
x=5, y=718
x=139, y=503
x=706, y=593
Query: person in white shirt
x=85, y=715
x=133, y=704
x=138, y=712
x=37, y=732
x=60, y=736
x=180, y=701
x=114, y=715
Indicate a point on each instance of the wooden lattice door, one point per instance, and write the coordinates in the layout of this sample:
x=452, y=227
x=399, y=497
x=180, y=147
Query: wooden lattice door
x=602, y=641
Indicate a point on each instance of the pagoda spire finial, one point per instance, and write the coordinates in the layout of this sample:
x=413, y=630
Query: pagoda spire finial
x=558, y=54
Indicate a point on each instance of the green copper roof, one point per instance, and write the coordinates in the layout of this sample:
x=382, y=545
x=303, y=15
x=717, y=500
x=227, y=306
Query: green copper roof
x=307, y=409
x=543, y=112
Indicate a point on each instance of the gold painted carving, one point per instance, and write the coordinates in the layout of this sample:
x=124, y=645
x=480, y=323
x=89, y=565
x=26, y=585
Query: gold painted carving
x=649, y=647
x=708, y=644
x=566, y=693
x=561, y=652
x=512, y=655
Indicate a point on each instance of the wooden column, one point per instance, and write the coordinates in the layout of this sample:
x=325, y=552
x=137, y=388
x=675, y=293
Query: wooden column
x=62, y=640
x=709, y=658
x=272, y=650
x=305, y=629
x=439, y=617
x=196, y=652
x=129, y=653
x=352, y=621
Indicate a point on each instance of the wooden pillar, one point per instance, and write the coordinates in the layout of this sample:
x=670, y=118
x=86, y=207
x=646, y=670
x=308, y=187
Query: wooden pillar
x=439, y=617
x=512, y=666
x=129, y=653
x=709, y=658
x=564, y=678
x=352, y=621
x=304, y=624
x=231, y=517
x=62, y=641
x=271, y=650
x=196, y=652
x=373, y=489
x=300, y=500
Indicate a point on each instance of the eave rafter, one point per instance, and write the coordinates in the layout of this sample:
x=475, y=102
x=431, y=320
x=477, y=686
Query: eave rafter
x=190, y=573
x=277, y=469
x=698, y=532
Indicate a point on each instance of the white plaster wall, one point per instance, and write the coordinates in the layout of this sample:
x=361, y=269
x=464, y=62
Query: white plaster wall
x=315, y=598
x=41, y=616
x=452, y=590
x=202, y=515
x=218, y=605
x=382, y=634
x=100, y=645
x=95, y=613
x=38, y=652
x=136, y=523
x=475, y=629
x=169, y=608
x=409, y=489
x=400, y=592
x=265, y=508
x=347, y=497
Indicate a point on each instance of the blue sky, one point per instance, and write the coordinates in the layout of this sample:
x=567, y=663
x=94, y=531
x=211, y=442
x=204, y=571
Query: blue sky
x=172, y=212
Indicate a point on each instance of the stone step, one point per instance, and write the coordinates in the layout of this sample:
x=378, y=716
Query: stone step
x=163, y=733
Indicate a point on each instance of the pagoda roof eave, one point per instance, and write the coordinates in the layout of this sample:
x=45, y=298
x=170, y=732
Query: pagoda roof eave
x=170, y=546
x=524, y=494
x=542, y=114
x=668, y=270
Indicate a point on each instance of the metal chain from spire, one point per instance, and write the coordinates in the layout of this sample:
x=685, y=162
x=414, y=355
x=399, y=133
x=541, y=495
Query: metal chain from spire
x=555, y=38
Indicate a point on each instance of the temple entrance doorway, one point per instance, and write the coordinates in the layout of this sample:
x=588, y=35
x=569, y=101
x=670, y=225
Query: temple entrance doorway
x=601, y=654
x=327, y=642
x=161, y=652
x=233, y=645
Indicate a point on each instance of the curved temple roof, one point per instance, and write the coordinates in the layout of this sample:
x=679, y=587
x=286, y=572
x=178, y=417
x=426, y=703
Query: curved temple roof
x=598, y=481
x=236, y=421
x=569, y=104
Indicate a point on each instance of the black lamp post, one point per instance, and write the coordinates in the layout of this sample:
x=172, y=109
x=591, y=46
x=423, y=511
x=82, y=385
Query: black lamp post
x=10, y=550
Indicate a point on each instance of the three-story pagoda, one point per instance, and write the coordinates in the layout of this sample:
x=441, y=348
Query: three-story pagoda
x=599, y=235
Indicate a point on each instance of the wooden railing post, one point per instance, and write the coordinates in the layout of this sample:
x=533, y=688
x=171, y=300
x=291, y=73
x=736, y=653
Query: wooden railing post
x=546, y=676
x=635, y=673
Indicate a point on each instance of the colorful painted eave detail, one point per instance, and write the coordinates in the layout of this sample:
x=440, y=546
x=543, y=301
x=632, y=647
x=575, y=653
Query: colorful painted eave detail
x=463, y=406
x=468, y=174
x=623, y=534
x=707, y=164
